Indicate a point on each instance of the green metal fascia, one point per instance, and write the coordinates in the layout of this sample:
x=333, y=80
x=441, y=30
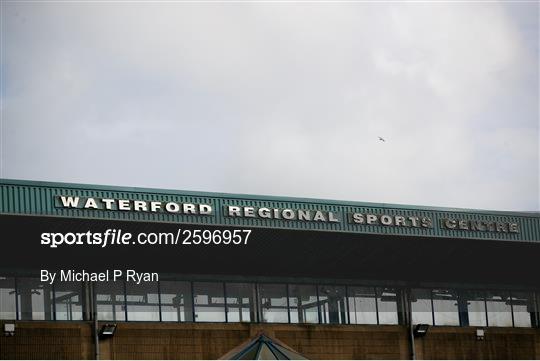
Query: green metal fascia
x=38, y=198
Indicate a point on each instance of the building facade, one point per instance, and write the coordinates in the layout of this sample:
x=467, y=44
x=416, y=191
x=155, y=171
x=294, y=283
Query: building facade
x=193, y=275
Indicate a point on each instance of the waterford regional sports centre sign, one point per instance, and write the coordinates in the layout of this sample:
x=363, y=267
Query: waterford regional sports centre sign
x=154, y=205
x=288, y=214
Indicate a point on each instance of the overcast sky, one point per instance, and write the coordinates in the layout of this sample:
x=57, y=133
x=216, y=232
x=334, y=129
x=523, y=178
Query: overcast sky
x=278, y=98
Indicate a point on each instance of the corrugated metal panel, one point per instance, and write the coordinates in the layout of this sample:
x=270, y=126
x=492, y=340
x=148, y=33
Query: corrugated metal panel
x=40, y=198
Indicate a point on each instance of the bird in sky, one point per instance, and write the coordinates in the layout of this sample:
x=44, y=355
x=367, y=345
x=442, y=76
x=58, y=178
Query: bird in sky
x=382, y=139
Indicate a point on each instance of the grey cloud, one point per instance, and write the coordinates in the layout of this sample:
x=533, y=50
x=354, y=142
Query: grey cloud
x=284, y=99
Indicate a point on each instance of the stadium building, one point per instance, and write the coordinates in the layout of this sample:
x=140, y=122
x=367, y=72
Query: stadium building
x=129, y=273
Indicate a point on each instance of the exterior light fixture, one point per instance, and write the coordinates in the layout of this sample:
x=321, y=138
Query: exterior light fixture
x=421, y=330
x=107, y=330
x=480, y=334
x=9, y=329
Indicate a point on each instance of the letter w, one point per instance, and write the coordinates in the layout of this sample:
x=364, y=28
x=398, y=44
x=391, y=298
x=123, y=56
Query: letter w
x=72, y=202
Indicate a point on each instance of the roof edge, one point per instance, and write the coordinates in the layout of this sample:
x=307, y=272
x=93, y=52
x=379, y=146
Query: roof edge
x=35, y=183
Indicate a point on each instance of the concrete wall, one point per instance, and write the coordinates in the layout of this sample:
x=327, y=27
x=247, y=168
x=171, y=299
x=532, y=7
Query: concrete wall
x=64, y=340
x=47, y=340
x=461, y=343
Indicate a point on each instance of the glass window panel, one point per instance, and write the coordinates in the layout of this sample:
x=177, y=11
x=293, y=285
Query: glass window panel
x=524, y=310
x=142, y=301
x=209, y=301
x=7, y=299
x=273, y=302
x=332, y=300
x=68, y=300
x=362, y=307
x=288, y=353
x=265, y=353
x=240, y=302
x=176, y=301
x=277, y=353
x=499, y=309
x=303, y=304
x=421, y=306
x=476, y=307
x=387, y=305
x=110, y=301
x=250, y=353
x=34, y=299
x=445, y=306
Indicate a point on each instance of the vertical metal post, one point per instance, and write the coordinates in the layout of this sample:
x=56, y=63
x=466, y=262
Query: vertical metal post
x=288, y=303
x=463, y=307
x=401, y=306
x=17, y=306
x=411, y=330
x=86, y=301
x=318, y=304
x=485, y=308
x=512, y=308
x=348, y=306
x=192, y=301
x=159, y=300
x=376, y=304
x=226, y=306
x=53, y=306
x=125, y=300
x=536, y=297
x=95, y=315
x=344, y=310
x=257, y=309
x=432, y=308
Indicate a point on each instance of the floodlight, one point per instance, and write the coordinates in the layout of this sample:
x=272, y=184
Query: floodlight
x=421, y=329
x=9, y=329
x=107, y=330
x=480, y=334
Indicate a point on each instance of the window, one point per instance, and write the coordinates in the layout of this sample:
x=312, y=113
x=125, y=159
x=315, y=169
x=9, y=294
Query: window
x=185, y=301
x=209, y=301
x=333, y=302
x=362, y=305
x=524, y=310
x=34, y=299
x=445, y=307
x=303, y=304
x=499, y=309
x=7, y=299
x=68, y=301
x=176, y=301
x=142, y=301
x=273, y=298
x=240, y=302
x=387, y=306
x=110, y=301
x=476, y=308
x=421, y=307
